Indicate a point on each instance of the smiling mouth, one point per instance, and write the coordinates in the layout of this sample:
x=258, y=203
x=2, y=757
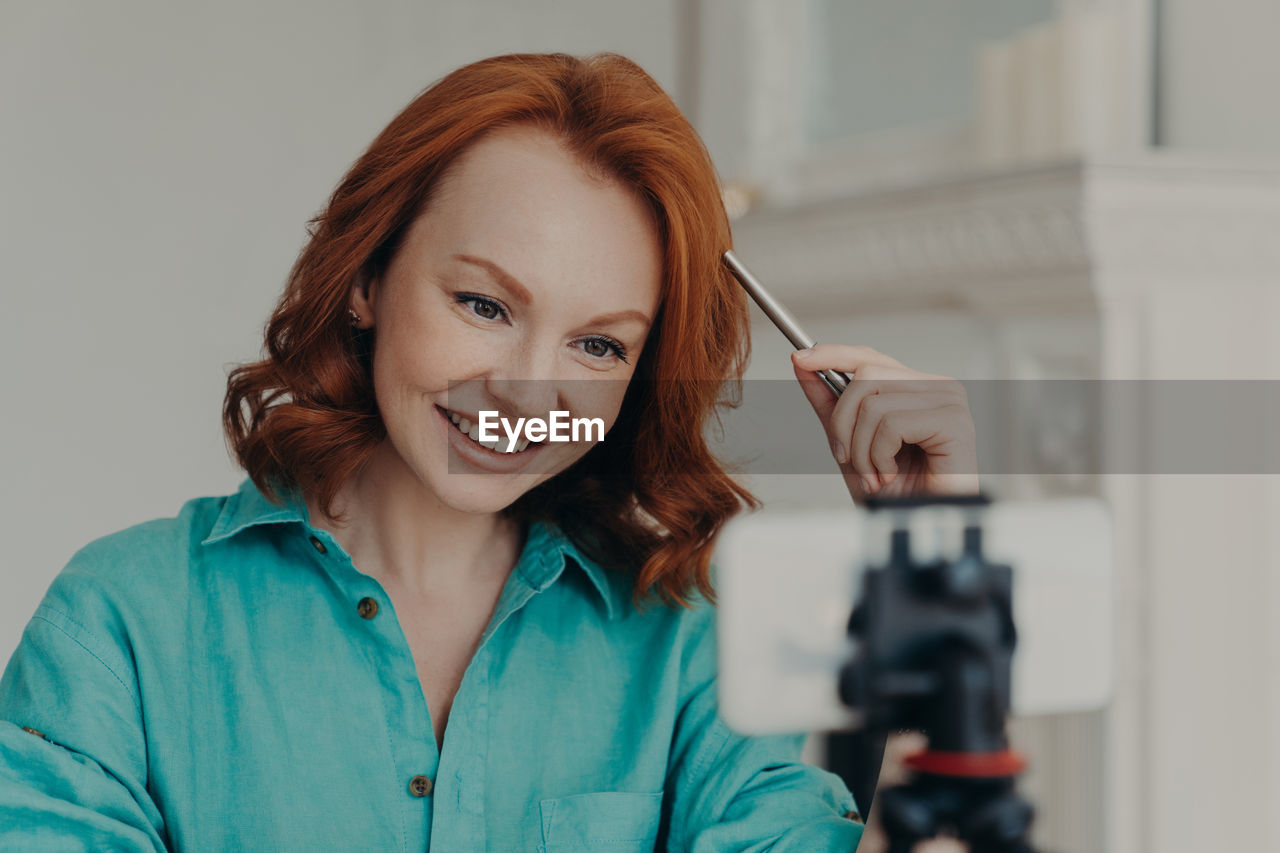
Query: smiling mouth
x=472, y=431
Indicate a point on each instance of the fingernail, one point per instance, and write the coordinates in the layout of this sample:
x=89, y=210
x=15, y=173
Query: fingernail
x=838, y=449
x=867, y=484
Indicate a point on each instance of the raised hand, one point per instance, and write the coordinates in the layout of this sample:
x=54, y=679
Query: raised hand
x=894, y=431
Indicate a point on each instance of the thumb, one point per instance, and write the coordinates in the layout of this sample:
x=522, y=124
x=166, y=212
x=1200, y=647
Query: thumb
x=820, y=397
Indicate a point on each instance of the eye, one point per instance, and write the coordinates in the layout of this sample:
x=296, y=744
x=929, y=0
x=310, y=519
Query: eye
x=483, y=306
x=600, y=346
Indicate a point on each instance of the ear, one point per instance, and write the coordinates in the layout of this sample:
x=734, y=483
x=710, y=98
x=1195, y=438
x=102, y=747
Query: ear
x=364, y=294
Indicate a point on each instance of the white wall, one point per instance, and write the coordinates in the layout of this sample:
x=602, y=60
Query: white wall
x=863, y=79
x=158, y=164
x=1221, y=71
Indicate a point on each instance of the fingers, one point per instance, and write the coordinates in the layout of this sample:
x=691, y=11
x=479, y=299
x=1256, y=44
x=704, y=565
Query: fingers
x=872, y=448
x=815, y=390
x=821, y=398
x=908, y=423
x=860, y=408
x=941, y=431
x=886, y=406
x=845, y=357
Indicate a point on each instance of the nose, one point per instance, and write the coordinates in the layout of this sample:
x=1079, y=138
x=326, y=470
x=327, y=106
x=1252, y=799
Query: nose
x=528, y=386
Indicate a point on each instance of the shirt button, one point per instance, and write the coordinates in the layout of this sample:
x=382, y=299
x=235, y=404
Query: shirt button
x=420, y=786
x=35, y=732
x=319, y=545
x=368, y=608
x=853, y=816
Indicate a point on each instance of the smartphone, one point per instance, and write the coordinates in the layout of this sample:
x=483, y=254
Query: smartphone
x=788, y=578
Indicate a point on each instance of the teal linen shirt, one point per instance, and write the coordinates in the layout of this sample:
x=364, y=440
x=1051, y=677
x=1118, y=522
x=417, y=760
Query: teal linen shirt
x=218, y=681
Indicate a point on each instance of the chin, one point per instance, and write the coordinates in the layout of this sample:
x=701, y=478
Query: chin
x=480, y=494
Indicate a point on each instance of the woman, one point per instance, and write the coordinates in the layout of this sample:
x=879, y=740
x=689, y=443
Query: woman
x=395, y=638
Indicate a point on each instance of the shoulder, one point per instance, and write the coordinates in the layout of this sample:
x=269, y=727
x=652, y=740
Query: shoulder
x=132, y=568
x=116, y=594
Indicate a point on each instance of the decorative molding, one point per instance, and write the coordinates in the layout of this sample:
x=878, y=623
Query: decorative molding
x=1011, y=242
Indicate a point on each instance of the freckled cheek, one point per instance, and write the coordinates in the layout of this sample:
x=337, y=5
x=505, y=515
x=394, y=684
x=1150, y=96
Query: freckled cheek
x=409, y=370
x=431, y=359
x=598, y=399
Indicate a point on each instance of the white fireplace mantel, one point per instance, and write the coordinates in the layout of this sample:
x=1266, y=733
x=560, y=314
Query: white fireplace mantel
x=1063, y=235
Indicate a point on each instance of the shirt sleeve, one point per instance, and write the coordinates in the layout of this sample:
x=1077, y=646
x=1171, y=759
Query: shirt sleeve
x=73, y=763
x=737, y=793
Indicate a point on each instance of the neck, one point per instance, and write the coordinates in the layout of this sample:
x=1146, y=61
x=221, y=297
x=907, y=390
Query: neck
x=400, y=533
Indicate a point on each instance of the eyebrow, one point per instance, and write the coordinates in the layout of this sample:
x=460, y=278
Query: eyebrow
x=522, y=294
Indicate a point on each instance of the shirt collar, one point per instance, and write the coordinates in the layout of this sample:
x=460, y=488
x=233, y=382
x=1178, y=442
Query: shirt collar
x=546, y=553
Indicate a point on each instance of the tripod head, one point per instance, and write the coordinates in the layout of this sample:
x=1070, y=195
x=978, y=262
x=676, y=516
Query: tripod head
x=935, y=637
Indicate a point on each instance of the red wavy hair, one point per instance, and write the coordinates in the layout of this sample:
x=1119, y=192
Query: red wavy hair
x=652, y=499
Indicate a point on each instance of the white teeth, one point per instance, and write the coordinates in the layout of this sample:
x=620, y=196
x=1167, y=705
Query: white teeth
x=474, y=435
x=472, y=431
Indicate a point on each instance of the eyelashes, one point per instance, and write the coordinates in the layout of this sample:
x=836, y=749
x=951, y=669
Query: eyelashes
x=618, y=349
x=495, y=311
x=463, y=298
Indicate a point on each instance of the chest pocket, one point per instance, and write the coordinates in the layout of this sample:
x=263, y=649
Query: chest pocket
x=613, y=821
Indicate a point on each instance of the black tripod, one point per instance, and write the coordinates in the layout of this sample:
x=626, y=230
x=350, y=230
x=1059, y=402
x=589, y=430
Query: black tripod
x=935, y=639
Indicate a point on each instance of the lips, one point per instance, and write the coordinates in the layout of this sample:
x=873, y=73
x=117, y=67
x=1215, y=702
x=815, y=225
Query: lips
x=468, y=425
x=477, y=455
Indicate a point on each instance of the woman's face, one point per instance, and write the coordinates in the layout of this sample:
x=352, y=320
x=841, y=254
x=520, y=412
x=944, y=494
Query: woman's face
x=527, y=286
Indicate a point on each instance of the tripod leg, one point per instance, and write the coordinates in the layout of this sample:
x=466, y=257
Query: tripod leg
x=856, y=757
x=997, y=820
x=909, y=815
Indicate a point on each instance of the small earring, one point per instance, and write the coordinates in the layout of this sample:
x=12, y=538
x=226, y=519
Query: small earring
x=355, y=318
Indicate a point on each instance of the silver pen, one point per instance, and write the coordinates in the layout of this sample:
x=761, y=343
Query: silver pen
x=782, y=318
